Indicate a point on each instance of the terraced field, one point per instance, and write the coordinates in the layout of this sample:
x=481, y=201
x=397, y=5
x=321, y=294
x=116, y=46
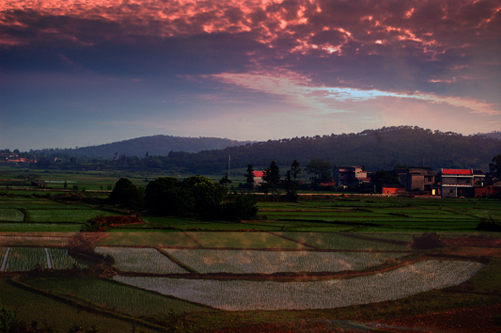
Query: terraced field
x=345, y=258
x=21, y=259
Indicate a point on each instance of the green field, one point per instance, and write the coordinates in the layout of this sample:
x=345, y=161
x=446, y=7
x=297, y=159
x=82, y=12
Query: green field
x=354, y=225
x=116, y=296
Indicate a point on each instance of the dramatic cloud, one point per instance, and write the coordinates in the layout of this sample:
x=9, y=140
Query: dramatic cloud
x=306, y=58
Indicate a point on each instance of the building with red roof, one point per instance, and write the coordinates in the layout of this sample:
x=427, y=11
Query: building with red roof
x=457, y=183
x=258, y=177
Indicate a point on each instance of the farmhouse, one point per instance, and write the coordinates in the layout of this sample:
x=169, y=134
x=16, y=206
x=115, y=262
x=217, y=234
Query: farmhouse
x=350, y=175
x=418, y=179
x=457, y=183
x=258, y=177
x=490, y=186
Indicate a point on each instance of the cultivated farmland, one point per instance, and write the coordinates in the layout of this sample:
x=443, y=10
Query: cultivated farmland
x=338, y=257
x=267, y=262
x=16, y=259
x=141, y=260
x=268, y=295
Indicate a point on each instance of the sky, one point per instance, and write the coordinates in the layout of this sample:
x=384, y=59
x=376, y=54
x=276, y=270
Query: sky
x=76, y=73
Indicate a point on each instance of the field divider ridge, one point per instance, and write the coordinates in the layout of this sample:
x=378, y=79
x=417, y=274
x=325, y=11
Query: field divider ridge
x=294, y=240
x=193, y=239
x=177, y=261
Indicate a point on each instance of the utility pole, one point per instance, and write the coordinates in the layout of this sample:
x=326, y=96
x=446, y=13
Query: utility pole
x=229, y=162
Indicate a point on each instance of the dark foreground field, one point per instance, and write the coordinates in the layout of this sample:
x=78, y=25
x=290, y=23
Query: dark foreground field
x=265, y=269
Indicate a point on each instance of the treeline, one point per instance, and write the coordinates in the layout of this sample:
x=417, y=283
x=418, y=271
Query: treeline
x=195, y=197
x=375, y=149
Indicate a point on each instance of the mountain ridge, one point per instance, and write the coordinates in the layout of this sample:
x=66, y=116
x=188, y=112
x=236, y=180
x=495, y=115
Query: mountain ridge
x=158, y=144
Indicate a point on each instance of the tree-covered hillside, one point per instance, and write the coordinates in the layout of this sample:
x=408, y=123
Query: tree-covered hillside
x=375, y=149
x=153, y=145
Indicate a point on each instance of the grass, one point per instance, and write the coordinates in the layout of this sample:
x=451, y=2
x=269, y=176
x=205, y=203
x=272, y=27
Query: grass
x=335, y=241
x=65, y=215
x=115, y=296
x=39, y=227
x=56, y=313
x=149, y=239
x=25, y=259
x=391, y=218
x=247, y=240
x=14, y=215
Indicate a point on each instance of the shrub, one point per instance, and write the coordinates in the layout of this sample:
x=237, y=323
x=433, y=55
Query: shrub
x=243, y=208
x=426, y=241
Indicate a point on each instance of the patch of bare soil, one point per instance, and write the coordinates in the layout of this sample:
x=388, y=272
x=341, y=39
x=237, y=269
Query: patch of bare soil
x=320, y=326
x=475, y=251
x=473, y=241
x=478, y=320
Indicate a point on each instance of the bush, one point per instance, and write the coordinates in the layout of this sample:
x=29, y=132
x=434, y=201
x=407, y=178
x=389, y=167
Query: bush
x=489, y=225
x=126, y=194
x=426, y=241
x=243, y=208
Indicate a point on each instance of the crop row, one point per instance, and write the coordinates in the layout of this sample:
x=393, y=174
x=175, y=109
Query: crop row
x=11, y=215
x=16, y=259
x=16, y=240
x=236, y=295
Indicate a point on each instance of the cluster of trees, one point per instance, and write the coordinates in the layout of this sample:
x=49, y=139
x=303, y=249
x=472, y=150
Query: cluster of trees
x=195, y=196
x=272, y=180
x=376, y=149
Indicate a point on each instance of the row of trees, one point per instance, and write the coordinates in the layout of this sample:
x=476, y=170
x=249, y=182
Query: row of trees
x=195, y=196
x=272, y=179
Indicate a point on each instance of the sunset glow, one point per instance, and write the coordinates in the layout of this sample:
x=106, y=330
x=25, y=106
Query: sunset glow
x=98, y=71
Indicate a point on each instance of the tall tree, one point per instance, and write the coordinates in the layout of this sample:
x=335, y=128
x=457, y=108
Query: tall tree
x=385, y=177
x=249, y=176
x=320, y=169
x=496, y=166
x=166, y=196
x=296, y=170
x=126, y=194
x=225, y=181
x=291, y=181
x=271, y=177
x=207, y=196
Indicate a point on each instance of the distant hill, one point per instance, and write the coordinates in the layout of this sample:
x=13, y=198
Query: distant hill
x=153, y=145
x=492, y=135
x=375, y=149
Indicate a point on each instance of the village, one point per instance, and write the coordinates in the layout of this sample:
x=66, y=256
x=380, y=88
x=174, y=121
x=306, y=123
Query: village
x=413, y=181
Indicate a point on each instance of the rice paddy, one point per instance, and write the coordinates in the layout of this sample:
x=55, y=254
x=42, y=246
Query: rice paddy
x=268, y=295
x=191, y=266
x=21, y=259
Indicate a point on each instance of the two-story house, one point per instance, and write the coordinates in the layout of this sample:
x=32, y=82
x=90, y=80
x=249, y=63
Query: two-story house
x=350, y=175
x=457, y=183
